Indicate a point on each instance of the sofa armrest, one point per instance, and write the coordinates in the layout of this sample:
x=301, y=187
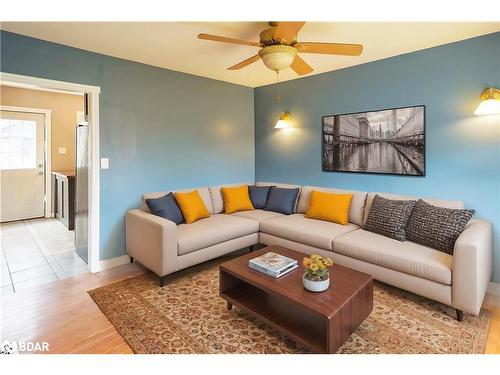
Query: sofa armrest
x=472, y=266
x=152, y=240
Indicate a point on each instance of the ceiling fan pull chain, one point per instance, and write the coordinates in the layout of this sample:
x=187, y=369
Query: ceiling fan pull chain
x=277, y=88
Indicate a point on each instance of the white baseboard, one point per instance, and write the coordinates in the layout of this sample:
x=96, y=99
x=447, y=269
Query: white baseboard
x=113, y=262
x=494, y=288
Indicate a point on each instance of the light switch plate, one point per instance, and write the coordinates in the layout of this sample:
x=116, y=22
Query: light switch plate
x=104, y=163
x=62, y=150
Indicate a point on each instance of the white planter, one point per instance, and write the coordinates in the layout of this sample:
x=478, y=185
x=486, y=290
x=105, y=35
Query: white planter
x=316, y=286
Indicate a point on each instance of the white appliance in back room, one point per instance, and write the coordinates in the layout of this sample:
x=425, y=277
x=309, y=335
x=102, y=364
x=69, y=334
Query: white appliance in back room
x=81, y=176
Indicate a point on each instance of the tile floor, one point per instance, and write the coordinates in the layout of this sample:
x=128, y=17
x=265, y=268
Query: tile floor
x=35, y=252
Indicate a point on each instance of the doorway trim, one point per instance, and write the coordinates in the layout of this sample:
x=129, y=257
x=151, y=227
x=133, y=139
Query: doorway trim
x=93, y=92
x=46, y=153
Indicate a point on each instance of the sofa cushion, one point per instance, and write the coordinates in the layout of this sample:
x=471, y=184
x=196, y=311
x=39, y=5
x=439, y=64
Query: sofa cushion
x=389, y=217
x=312, y=232
x=203, y=191
x=166, y=207
x=407, y=257
x=435, y=202
x=236, y=199
x=258, y=215
x=281, y=185
x=356, y=212
x=282, y=200
x=258, y=195
x=438, y=227
x=211, y=231
x=329, y=207
x=192, y=206
x=216, y=196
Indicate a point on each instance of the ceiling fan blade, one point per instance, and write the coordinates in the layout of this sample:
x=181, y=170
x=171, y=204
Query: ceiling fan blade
x=300, y=66
x=288, y=31
x=330, y=48
x=245, y=63
x=216, y=38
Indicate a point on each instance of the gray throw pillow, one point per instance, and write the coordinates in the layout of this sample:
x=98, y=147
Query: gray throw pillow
x=389, y=217
x=282, y=200
x=437, y=227
x=166, y=207
x=258, y=195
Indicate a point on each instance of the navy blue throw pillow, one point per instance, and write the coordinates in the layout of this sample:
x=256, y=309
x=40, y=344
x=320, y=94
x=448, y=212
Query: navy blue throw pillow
x=166, y=207
x=258, y=195
x=282, y=200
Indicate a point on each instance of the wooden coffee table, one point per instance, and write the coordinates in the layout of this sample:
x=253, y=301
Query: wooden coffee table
x=321, y=322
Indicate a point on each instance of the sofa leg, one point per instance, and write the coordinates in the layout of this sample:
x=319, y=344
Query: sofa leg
x=252, y=248
x=460, y=315
x=131, y=259
x=162, y=281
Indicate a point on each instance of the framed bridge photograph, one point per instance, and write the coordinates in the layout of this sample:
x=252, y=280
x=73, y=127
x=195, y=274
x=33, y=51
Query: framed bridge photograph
x=388, y=141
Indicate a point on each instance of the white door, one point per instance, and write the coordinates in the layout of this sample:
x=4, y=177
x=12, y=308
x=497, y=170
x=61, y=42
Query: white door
x=21, y=165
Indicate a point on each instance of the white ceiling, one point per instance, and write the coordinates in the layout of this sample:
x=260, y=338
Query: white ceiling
x=174, y=45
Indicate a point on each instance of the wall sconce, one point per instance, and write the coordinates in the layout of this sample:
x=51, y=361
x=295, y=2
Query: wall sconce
x=284, y=121
x=490, y=102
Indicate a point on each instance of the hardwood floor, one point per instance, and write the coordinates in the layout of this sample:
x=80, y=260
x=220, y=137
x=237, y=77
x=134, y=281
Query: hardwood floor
x=63, y=314
x=493, y=344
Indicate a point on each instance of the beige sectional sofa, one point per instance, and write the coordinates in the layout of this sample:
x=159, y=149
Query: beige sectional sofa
x=458, y=280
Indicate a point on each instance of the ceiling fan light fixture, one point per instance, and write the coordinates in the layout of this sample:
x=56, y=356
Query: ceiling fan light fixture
x=278, y=57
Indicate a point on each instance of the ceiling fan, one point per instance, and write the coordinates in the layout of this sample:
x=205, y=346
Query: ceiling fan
x=279, y=48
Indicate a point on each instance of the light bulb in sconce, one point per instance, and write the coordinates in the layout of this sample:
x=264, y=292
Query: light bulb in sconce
x=490, y=102
x=284, y=121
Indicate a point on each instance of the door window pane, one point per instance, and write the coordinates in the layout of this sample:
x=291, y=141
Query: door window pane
x=17, y=144
x=29, y=129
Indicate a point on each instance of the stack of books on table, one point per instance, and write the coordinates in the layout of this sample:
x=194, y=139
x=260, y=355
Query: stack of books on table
x=273, y=264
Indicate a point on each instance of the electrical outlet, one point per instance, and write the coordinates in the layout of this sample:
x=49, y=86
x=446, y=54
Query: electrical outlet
x=62, y=150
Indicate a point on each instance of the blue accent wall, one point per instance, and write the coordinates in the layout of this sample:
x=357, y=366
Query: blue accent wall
x=164, y=130
x=159, y=128
x=462, y=150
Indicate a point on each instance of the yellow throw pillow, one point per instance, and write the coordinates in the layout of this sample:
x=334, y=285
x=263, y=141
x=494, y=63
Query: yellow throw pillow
x=329, y=207
x=192, y=206
x=236, y=199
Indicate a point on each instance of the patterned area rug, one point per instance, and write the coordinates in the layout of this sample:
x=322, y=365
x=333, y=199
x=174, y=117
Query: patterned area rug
x=188, y=316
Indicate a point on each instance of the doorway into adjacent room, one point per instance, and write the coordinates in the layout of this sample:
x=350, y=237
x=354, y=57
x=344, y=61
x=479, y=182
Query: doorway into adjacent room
x=44, y=166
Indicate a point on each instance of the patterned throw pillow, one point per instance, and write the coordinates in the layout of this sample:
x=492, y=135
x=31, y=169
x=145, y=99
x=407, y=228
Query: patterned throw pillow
x=437, y=227
x=389, y=217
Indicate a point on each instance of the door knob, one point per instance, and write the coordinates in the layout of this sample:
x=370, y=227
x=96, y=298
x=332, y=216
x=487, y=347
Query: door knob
x=40, y=173
x=40, y=165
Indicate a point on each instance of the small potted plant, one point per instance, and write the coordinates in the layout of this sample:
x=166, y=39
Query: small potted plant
x=316, y=277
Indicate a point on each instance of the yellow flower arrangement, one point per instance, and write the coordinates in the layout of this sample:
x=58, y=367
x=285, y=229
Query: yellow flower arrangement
x=316, y=267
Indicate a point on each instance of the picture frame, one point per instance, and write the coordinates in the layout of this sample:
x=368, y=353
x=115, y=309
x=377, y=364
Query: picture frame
x=384, y=141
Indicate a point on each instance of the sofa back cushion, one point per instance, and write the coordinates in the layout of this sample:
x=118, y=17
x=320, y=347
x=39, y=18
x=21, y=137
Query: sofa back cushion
x=281, y=185
x=435, y=202
x=356, y=212
x=282, y=200
x=166, y=207
x=216, y=196
x=203, y=191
